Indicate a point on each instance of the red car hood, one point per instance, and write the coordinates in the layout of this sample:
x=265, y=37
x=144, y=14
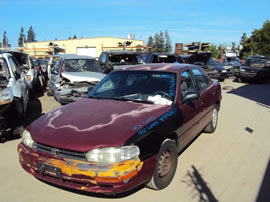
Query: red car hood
x=90, y=123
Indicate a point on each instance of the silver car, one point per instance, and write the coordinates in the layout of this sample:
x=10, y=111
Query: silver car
x=71, y=76
x=26, y=64
x=14, y=93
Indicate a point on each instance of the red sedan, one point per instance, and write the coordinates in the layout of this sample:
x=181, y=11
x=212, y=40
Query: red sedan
x=129, y=131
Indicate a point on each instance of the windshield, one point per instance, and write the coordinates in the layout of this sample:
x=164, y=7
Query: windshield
x=166, y=59
x=137, y=86
x=125, y=59
x=81, y=65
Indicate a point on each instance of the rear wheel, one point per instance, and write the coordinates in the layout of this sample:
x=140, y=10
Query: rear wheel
x=165, y=166
x=212, y=125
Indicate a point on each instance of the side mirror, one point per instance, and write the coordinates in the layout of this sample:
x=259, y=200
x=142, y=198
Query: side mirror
x=190, y=96
x=18, y=74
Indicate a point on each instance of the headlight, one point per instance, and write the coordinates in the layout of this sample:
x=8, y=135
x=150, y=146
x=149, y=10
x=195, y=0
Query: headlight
x=242, y=70
x=224, y=71
x=27, y=139
x=6, y=96
x=112, y=154
x=57, y=84
x=28, y=77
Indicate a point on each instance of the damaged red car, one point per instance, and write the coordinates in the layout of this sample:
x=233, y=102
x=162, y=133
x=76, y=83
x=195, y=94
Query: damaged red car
x=128, y=132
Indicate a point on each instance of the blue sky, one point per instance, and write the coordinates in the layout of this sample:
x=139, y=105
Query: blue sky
x=186, y=20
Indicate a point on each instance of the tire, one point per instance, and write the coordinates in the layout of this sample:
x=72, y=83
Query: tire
x=221, y=80
x=165, y=166
x=212, y=125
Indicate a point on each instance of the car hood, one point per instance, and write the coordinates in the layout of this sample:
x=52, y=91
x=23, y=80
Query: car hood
x=199, y=57
x=90, y=123
x=83, y=76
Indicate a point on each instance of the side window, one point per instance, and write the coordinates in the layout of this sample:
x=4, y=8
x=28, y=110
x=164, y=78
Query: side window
x=187, y=86
x=103, y=58
x=202, y=80
x=13, y=64
x=57, y=65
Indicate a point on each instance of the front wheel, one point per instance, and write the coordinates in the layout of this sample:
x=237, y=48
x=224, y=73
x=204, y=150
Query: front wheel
x=165, y=166
x=212, y=125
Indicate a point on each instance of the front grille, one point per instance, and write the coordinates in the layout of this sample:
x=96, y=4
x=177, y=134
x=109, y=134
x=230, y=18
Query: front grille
x=59, y=152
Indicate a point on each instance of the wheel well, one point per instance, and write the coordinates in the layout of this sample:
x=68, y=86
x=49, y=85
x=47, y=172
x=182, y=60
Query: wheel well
x=218, y=104
x=173, y=136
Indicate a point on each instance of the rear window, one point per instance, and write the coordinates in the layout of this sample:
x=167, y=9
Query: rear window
x=125, y=58
x=166, y=59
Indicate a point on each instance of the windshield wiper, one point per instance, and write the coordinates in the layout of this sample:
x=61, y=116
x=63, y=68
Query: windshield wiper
x=122, y=99
x=141, y=101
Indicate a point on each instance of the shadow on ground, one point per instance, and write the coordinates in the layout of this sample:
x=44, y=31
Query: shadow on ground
x=199, y=186
x=264, y=193
x=97, y=195
x=259, y=93
x=34, y=110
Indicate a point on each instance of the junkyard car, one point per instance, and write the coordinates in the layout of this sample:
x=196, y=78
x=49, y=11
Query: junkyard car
x=128, y=132
x=14, y=93
x=256, y=68
x=204, y=60
x=72, y=75
x=161, y=58
x=111, y=60
x=26, y=64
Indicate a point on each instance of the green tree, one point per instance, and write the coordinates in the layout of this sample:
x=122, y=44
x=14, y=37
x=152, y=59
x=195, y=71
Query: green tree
x=221, y=49
x=21, y=38
x=258, y=42
x=161, y=47
x=150, y=44
x=156, y=43
x=168, y=45
x=75, y=36
x=31, y=36
x=213, y=49
x=243, y=39
x=5, y=39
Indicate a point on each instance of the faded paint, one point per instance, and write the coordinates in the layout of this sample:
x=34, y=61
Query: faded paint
x=115, y=172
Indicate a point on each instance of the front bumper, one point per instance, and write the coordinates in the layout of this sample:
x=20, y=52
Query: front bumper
x=86, y=176
x=66, y=96
x=252, y=75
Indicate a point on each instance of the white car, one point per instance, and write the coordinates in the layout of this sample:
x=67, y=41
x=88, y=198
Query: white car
x=71, y=76
x=25, y=62
x=14, y=92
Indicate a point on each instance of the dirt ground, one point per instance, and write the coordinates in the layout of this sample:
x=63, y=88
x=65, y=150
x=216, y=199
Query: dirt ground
x=230, y=165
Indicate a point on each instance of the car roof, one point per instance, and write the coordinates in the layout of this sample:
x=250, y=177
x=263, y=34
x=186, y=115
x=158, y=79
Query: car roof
x=167, y=67
x=121, y=52
x=74, y=56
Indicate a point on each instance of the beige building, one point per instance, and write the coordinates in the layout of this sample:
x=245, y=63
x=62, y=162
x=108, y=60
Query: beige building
x=84, y=46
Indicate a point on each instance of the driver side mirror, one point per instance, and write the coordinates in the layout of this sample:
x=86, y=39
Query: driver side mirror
x=190, y=97
x=18, y=74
